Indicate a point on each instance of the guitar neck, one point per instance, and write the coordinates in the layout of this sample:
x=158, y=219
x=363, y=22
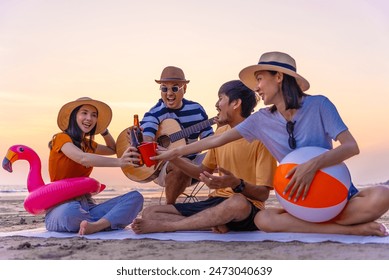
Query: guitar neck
x=190, y=130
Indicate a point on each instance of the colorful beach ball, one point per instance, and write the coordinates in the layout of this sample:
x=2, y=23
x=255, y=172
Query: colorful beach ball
x=327, y=195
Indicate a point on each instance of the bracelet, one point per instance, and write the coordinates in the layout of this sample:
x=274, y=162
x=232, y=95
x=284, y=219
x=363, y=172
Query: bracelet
x=105, y=133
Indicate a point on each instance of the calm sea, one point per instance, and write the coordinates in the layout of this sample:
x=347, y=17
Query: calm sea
x=147, y=189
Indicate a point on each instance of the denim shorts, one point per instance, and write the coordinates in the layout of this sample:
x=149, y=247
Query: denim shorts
x=352, y=191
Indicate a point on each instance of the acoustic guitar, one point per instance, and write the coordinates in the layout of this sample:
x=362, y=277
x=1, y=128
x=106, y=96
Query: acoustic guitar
x=169, y=135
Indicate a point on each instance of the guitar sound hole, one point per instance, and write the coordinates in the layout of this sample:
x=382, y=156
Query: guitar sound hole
x=163, y=141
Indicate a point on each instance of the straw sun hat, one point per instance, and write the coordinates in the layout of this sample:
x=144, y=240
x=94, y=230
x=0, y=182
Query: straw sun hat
x=172, y=74
x=103, y=110
x=273, y=61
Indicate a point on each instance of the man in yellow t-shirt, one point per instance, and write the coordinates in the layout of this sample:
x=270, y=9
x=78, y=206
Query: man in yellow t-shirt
x=240, y=189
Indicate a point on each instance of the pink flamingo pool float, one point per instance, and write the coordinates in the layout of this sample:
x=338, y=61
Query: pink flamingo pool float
x=44, y=196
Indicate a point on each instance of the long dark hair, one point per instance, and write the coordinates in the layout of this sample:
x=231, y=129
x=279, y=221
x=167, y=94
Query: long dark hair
x=78, y=138
x=291, y=92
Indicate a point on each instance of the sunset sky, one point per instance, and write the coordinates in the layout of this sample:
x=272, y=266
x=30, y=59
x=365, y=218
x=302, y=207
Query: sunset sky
x=52, y=52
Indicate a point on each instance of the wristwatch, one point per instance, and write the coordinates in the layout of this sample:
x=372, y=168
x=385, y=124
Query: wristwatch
x=239, y=188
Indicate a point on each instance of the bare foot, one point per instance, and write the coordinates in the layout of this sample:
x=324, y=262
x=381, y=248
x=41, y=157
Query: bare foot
x=140, y=226
x=372, y=228
x=220, y=229
x=384, y=230
x=92, y=227
x=83, y=228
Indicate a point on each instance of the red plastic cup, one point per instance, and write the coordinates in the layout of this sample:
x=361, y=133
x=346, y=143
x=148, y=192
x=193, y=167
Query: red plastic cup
x=147, y=150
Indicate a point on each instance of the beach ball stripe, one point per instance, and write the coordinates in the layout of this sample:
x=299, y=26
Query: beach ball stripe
x=328, y=192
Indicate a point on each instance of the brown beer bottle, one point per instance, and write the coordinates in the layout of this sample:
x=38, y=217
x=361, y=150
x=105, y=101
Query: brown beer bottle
x=139, y=133
x=135, y=143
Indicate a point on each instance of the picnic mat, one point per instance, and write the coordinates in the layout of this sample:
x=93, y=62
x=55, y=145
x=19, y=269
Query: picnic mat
x=127, y=233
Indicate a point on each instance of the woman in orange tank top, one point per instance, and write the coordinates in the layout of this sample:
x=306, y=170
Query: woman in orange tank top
x=74, y=153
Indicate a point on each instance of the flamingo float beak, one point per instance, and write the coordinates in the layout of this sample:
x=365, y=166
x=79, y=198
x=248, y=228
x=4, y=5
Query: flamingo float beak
x=8, y=160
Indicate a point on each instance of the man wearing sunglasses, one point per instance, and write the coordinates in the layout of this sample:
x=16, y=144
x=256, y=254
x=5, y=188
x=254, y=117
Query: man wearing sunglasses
x=173, y=105
x=239, y=192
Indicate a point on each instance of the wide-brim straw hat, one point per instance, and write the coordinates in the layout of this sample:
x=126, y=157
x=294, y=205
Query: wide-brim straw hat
x=172, y=74
x=104, y=113
x=273, y=61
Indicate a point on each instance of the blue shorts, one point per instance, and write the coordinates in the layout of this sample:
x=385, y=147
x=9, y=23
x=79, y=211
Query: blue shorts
x=352, y=191
x=189, y=209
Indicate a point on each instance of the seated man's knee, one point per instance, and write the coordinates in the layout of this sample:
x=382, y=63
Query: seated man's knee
x=238, y=202
x=173, y=170
x=177, y=177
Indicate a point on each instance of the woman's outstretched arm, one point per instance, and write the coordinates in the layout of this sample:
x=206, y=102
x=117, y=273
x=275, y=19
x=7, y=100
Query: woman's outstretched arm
x=201, y=145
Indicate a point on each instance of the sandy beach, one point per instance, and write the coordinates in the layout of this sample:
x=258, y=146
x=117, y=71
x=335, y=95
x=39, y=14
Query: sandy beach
x=13, y=217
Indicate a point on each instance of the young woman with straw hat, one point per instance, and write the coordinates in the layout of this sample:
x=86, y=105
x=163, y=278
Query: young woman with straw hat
x=296, y=119
x=74, y=153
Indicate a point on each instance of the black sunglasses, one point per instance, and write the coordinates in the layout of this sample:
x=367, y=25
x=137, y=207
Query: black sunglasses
x=290, y=130
x=174, y=89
